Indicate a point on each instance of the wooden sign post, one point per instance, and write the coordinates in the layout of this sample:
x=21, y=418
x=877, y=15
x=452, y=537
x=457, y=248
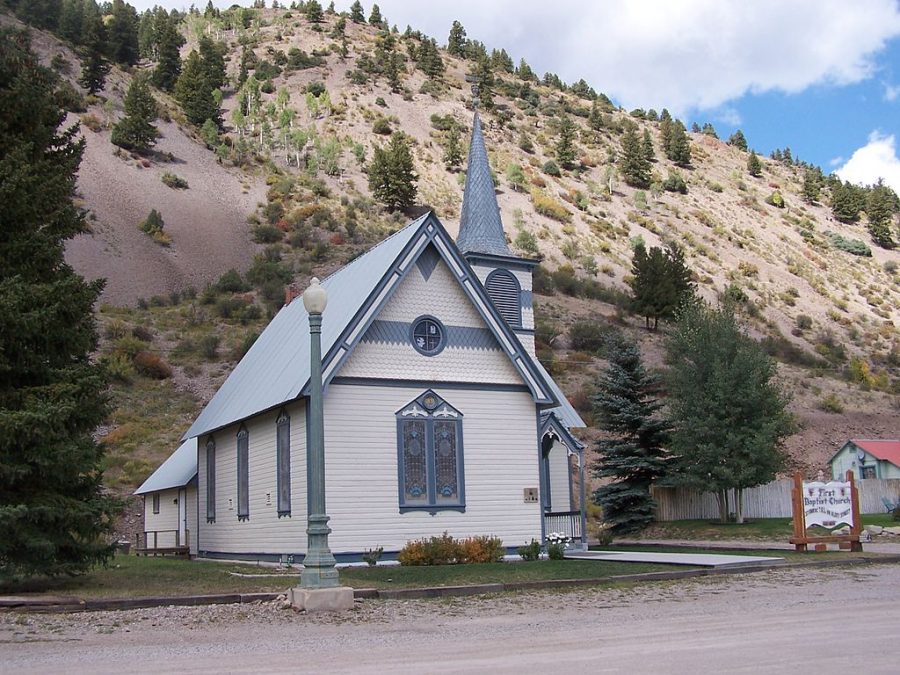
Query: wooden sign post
x=826, y=504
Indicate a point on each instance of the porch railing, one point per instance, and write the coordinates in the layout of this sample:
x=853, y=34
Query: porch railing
x=564, y=522
x=162, y=541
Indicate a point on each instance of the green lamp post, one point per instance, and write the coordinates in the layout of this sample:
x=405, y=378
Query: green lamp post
x=318, y=565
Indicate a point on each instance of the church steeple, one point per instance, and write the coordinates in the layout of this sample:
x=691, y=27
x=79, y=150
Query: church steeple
x=480, y=227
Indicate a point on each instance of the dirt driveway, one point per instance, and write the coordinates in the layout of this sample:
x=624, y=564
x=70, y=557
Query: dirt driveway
x=825, y=621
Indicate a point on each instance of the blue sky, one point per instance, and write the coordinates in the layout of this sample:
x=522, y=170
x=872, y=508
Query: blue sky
x=819, y=76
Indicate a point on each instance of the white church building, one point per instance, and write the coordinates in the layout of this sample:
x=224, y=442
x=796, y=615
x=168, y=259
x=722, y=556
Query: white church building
x=438, y=415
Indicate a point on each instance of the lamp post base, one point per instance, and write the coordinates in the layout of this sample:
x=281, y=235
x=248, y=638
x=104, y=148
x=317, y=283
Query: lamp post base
x=336, y=599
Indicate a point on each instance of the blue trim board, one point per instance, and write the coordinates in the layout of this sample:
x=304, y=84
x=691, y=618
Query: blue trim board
x=510, y=262
x=400, y=332
x=425, y=384
x=341, y=558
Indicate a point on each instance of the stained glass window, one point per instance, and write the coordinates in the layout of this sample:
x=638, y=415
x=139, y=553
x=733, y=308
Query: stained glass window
x=243, y=474
x=429, y=439
x=428, y=336
x=283, y=469
x=210, y=480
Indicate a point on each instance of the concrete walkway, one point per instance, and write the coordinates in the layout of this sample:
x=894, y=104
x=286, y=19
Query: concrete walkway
x=718, y=560
x=878, y=545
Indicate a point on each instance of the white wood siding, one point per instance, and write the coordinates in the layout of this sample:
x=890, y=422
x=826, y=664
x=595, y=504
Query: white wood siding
x=500, y=460
x=264, y=531
x=560, y=499
x=191, y=492
x=166, y=519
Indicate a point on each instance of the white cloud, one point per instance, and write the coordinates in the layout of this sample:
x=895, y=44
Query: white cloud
x=877, y=159
x=891, y=91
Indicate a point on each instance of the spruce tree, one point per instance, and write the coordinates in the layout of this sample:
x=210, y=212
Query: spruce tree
x=679, y=145
x=738, y=140
x=194, y=92
x=811, y=189
x=375, y=17
x=93, y=40
x=135, y=131
x=456, y=41
x=453, y=153
x=314, y=13
x=754, y=166
x=213, y=60
x=627, y=408
x=392, y=177
x=54, y=515
x=661, y=282
x=881, y=204
x=525, y=72
x=846, y=202
x=122, y=32
x=647, y=146
x=595, y=116
x=168, y=42
x=633, y=163
x=565, y=145
x=356, y=12
x=70, y=20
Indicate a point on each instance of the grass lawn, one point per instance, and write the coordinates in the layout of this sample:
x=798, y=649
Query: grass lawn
x=779, y=529
x=132, y=577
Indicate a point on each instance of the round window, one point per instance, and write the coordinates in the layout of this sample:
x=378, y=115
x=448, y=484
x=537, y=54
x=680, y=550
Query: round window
x=428, y=336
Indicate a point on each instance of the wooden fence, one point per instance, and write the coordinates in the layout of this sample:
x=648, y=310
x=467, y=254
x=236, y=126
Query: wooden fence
x=772, y=500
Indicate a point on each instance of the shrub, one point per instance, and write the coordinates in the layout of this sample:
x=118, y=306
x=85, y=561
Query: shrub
x=119, y=367
x=442, y=122
x=129, y=345
x=675, y=183
x=316, y=88
x=380, y=102
x=382, y=126
x=231, y=282
x=153, y=225
x=267, y=234
x=854, y=246
x=831, y=404
x=91, y=122
x=481, y=549
x=588, y=336
x=152, y=365
x=804, y=322
x=530, y=551
x=551, y=169
x=550, y=207
x=209, y=346
x=174, y=182
x=527, y=242
x=372, y=556
x=775, y=199
x=442, y=550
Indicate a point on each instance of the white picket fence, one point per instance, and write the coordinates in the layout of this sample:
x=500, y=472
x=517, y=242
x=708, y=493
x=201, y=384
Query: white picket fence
x=772, y=500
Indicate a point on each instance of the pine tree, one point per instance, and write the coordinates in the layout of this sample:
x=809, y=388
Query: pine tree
x=647, y=146
x=93, y=64
x=168, y=42
x=738, y=140
x=846, y=202
x=314, y=13
x=375, y=17
x=728, y=414
x=453, y=153
x=811, y=188
x=93, y=71
x=661, y=282
x=595, y=117
x=122, y=32
x=565, y=146
x=881, y=204
x=709, y=130
x=633, y=163
x=679, y=145
x=213, y=60
x=54, y=515
x=392, y=177
x=70, y=20
x=484, y=76
x=627, y=408
x=430, y=61
x=194, y=93
x=525, y=72
x=135, y=131
x=456, y=41
x=754, y=166
x=356, y=12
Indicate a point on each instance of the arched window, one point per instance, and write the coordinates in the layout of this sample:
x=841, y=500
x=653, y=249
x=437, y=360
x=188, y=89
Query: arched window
x=503, y=289
x=430, y=455
x=210, y=480
x=283, y=461
x=243, y=473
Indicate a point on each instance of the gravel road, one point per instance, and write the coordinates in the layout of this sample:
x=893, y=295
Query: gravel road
x=824, y=620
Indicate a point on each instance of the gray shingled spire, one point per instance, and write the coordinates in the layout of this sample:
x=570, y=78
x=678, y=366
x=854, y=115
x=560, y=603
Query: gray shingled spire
x=480, y=227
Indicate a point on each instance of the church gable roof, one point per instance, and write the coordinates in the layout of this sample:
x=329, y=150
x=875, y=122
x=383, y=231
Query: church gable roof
x=480, y=227
x=276, y=368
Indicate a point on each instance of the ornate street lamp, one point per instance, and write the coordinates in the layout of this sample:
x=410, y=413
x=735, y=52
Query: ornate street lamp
x=319, y=589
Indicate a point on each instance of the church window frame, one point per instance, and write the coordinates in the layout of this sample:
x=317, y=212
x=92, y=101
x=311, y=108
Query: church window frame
x=283, y=463
x=243, y=473
x=428, y=335
x=210, y=480
x=430, y=456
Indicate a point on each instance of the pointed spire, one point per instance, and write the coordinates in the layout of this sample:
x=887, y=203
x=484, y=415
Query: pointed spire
x=480, y=227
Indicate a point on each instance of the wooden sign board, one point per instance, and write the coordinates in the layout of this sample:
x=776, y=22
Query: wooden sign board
x=825, y=505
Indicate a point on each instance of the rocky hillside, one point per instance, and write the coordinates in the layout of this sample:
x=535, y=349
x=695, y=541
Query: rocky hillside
x=295, y=182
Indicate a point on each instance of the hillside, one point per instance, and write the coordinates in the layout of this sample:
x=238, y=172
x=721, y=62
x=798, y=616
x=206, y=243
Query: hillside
x=821, y=308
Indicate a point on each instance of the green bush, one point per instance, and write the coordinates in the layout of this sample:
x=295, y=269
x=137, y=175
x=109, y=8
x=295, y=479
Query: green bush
x=551, y=168
x=382, y=126
x=588, y=336
x=267, y=234
x=675, y=183
x=174, y=182
x=231, y=282
x=442, y=550
x=527, y=243
x=831, y=404
x=775, y=199
x=152, y=365
x=854, y=246
x=531, y=551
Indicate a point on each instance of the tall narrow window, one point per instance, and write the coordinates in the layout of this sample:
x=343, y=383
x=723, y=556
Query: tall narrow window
x=283, y=451
x=243, y=473
x=430, y=455
x=210, y=480
x=503, y=289
x=155, y=502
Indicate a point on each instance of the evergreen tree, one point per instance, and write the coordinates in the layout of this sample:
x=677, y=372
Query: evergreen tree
x=661, y=282
x=212, y=56
x=135, y=131
x=147, y=35
x=70, y=20
x=456, y=41
x=881, y=204
x=484, y=76
x=194, y=92
x=356, y=12
x=633, y=163
x=54, y=515
x=709, y=130
x=168, y=42
x=392, y=177
x=738, y=140
x=754, y=166
x=846, y=202
x=647, y=146
x=627, y=408
x=122, y=34
x=525, y=72
x=38, y=13
x=679, y=145
x=314, y=13
x=93, y=64
x=375, y=16
x=728, y=415
x=811, y=186
x=501, y=61
x=595, y=116
x=453, y=153
x=565, y=145
x=430, y=61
